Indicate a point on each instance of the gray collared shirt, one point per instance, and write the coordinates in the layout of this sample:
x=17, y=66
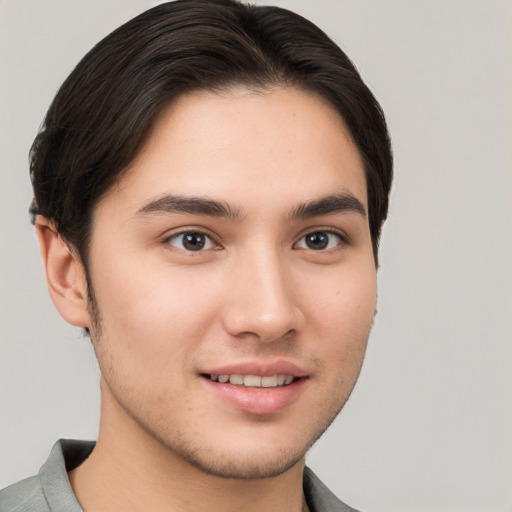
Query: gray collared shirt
x=50, y=490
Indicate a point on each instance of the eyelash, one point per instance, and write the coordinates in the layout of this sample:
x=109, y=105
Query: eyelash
x=330, y=235
x=208, y=240
x=210, y=243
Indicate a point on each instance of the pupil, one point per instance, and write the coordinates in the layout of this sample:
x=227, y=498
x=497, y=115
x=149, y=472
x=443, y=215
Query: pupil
x=317, y=241
x=193, y=241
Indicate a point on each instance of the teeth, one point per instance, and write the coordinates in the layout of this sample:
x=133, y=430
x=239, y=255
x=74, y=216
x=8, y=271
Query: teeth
x=269, y=382
x=254, y=381
x=236, y=379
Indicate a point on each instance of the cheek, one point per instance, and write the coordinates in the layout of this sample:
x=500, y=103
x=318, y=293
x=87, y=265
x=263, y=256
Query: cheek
x=344, y=298
x=152, y=323
x=165, y=309
x=343, y=314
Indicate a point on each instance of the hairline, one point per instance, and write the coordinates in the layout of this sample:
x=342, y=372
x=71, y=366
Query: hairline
x=253, y=85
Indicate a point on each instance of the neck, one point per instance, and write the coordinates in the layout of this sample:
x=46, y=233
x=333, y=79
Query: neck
x=130, y=470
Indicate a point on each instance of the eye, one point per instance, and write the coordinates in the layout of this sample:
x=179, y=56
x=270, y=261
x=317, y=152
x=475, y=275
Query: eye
x=320, y=241
x=191, y=241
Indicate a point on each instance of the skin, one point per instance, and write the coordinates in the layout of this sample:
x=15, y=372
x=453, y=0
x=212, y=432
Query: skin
x=257, y=292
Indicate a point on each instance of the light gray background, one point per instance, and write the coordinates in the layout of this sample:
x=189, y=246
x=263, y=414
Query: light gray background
x=429, y=427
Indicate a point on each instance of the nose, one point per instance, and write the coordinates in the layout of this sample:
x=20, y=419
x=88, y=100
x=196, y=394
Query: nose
x=262, y=301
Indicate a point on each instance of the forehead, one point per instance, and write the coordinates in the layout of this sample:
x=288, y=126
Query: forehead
x=241, y=146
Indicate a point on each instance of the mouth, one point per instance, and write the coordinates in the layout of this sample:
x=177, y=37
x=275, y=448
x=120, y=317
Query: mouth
x=253, y=381
x=257, y=388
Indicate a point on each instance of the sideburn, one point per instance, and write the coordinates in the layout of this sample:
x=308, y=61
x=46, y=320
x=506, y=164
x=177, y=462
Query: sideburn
x=92, y=305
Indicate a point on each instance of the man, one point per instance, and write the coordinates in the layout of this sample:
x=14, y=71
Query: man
x=210, y=184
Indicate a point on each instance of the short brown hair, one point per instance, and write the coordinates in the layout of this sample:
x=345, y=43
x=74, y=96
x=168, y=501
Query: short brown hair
x=103, y=112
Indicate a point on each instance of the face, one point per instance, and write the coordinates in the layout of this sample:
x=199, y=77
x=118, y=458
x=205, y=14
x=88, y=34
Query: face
x=235, y=281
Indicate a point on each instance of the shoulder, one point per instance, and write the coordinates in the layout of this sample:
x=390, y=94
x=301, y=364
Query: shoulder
x=50, y=490
x=319, y=498
x=24, y=496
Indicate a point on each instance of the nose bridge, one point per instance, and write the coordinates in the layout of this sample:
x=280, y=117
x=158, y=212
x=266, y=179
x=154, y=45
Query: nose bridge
x=262, y=301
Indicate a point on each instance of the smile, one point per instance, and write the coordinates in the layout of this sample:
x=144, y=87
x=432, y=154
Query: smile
x=254, y=381
x=262, y=388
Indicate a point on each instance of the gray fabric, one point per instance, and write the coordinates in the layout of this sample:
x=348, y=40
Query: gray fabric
x=50, y=490
x=319, y=498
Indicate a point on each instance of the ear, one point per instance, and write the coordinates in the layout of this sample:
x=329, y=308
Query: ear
x=65, y=274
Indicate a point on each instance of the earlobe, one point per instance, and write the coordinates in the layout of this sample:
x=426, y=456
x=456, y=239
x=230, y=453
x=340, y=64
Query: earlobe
x=65, y=274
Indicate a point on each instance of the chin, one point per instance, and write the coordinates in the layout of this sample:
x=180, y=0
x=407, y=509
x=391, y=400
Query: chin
x=252, y=466
x=260, y=458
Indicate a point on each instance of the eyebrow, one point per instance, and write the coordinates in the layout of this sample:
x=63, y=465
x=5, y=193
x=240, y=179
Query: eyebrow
x=189, y=205
x=329, y=205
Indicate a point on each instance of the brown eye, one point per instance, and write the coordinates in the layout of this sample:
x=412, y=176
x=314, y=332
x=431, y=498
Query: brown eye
x=191, y=241
x=319, y=241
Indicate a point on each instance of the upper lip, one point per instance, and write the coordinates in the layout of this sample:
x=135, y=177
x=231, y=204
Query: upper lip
x=260, y=368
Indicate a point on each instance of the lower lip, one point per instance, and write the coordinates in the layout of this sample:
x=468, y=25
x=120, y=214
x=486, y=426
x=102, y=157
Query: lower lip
x=258, y=400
